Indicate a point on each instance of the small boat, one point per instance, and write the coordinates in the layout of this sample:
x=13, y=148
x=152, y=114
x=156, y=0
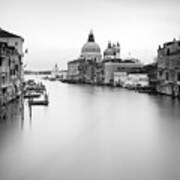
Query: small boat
x=52, y=79
x=42, y=100
x=32, y=94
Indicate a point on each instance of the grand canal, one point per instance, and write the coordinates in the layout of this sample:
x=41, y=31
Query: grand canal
x=91, y=133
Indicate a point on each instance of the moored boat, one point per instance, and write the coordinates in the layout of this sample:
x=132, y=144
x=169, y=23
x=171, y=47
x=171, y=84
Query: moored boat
x=42, y=100
x=32, y=94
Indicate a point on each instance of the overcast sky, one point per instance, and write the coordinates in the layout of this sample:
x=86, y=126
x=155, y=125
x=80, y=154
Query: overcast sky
x=55, y=30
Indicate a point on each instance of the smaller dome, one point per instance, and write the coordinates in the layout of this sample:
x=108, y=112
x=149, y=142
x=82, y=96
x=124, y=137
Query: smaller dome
x=109, y=52
x=112, y=50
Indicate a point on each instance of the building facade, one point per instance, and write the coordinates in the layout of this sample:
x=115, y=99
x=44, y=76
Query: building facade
x=75, y=71
x=84, y=68
x=151, y=71
x=63, y=75
x=168, y=68
x=136, y=80
x=11, y=66
x=120, y=78
x=55, y=72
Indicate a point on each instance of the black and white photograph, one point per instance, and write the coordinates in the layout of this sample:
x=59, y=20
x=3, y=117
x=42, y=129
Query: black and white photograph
x=89, y=90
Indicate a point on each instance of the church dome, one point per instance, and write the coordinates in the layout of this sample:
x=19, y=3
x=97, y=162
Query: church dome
x=109, y=52
x=91, y=49
x=112, y=51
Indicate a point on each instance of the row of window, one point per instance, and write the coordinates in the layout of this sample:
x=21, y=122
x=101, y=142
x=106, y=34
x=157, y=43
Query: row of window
x=9, y=62
x=167, y=76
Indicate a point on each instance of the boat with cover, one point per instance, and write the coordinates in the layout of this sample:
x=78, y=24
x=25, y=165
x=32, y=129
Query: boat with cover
x=42, y=100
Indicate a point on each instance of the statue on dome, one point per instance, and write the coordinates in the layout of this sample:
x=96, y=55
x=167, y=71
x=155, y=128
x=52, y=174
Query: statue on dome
x=91, y=37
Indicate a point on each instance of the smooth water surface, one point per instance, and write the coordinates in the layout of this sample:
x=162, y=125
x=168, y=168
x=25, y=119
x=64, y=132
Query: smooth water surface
x=91, y=133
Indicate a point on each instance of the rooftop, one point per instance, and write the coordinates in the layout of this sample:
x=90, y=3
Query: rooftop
x=75, y=61
x=6, y=34
x=171, y=42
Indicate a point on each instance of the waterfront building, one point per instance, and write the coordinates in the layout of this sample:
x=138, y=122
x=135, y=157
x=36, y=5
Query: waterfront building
x=84, y=68
x=112, y=51
x=12, y=112
x=151, y=71
x=133, y=80
x=63, y=75
x=75, y=71
x=82, y=71
x=136, y=80
x=99, y=74
x=11, y=66
x=168, y=68
x=89, y=71
x=91, y=68
x=55, y=72
x=120, y=78
x=12, y=40
x=118, y=65
x=91, y=50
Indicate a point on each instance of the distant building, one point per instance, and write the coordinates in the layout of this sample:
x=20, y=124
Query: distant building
x=118, y=65
x=11, y=66
x=136, y=80
x=84, y=68
x=120, y=78
x=151, y=71
x=63, y=74
x=75, y=71
x=91, y=68
x=168, y=68
x=55, y=72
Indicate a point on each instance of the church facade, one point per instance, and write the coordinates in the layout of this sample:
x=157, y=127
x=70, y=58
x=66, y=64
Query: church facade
x=84, y=69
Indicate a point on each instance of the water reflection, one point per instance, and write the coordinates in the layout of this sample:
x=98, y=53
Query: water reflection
x=30, y=115
x=95, y=133
x=12, y=113
x=11, y=124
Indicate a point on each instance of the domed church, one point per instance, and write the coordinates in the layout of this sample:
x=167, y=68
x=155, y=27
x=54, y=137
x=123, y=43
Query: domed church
x=91, y=50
